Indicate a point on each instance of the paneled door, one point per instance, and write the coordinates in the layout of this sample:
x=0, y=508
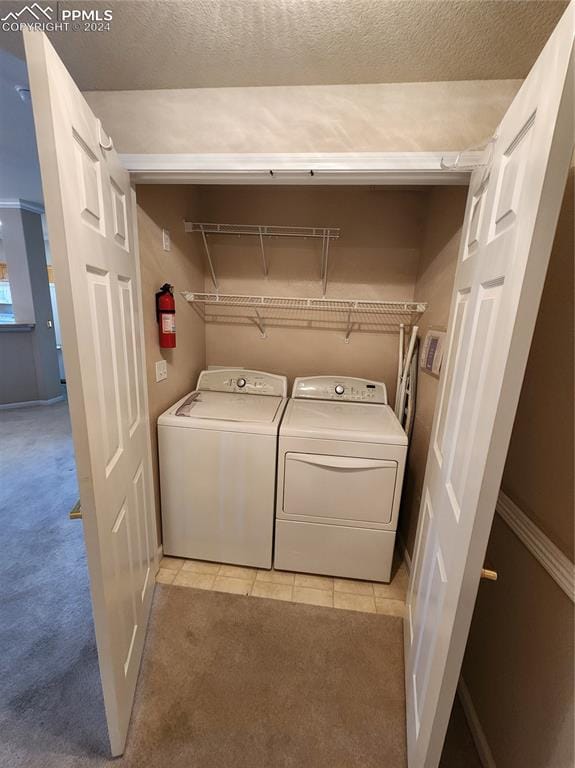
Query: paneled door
x=91, y=224
x=510, y=220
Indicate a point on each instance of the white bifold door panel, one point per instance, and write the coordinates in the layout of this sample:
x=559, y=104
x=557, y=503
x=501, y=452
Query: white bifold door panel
x=91, y=223
x=507, y=236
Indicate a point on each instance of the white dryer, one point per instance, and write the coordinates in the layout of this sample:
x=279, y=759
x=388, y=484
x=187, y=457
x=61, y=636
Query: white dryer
x=218, y=451
x=341, y=462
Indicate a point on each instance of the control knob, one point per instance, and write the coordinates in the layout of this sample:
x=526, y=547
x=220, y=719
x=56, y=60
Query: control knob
x=339, y=389
x=241, y=383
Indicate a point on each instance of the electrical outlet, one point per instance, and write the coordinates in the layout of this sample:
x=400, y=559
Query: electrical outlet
x=166, y=239
x=161, y=370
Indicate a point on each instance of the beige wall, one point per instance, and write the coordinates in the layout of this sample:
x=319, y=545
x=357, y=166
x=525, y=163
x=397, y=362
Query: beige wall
x=518, y=665
x=376, y=257
x=385, y=117
x=434, y=283
x=539, y=469
x=182, y=266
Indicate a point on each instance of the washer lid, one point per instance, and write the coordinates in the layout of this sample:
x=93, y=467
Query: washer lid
x=342, y=421
x=225, y=411
x=231, y=407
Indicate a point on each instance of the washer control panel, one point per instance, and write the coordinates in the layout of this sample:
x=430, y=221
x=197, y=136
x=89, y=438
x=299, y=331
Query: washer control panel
x=340, y=388
x=242, y=381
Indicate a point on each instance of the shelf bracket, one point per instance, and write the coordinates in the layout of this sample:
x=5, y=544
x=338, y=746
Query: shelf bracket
x=263, y=250
x=210, y=262
x=324, y=260
x=260, y=322
x=349, y=328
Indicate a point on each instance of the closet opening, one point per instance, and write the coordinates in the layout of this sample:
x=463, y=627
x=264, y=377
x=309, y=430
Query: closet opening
x=253, y=290
x=305, y=281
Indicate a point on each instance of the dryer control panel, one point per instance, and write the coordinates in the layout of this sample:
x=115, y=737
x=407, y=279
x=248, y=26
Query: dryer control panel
x=243, y=382
x=344, y=388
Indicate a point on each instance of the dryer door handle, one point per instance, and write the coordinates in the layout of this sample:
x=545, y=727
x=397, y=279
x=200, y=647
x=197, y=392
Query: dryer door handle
x=342, y=462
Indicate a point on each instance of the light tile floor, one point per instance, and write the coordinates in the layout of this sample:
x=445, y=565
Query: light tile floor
x=365, y=596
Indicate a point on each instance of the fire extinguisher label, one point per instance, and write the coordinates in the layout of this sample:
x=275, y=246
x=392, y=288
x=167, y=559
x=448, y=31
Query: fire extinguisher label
x=168, y=323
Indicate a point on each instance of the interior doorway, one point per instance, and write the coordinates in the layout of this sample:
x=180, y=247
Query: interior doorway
x=50, y=690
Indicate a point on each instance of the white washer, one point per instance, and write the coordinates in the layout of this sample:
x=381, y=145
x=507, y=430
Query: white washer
x=340, y=470
x=218, y=452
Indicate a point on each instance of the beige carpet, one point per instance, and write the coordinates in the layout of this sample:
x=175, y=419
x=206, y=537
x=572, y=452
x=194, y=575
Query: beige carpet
x=236, y=682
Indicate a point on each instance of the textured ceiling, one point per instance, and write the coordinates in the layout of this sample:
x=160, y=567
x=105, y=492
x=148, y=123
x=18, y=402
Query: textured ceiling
x=212, y=43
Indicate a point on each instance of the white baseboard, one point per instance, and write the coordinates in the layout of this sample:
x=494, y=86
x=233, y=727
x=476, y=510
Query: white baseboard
x=30, y=403
x=557, y=565
x=24, y=205
x=479, y=739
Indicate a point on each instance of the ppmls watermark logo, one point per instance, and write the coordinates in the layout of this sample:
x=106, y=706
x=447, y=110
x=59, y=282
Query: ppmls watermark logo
x=43, y=17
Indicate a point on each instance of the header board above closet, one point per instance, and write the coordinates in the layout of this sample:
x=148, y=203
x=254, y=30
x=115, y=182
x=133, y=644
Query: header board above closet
x=310, y=168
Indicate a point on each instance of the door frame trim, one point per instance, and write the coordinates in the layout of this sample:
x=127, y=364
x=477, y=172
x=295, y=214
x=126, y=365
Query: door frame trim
x=312, y=168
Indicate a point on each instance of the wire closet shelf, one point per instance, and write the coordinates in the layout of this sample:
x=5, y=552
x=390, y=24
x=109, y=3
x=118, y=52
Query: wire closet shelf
x=358, y=314
x=261, y=231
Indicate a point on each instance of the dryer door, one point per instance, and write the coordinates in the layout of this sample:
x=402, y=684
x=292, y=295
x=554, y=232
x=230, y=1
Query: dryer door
x=339, y=488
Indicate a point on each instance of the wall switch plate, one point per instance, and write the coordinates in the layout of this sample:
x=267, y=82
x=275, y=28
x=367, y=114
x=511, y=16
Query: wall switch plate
x=166, y=239
x=161, y=370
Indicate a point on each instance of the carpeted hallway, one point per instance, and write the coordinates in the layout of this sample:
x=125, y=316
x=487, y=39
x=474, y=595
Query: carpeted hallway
x=51, y=709
x=226, y=680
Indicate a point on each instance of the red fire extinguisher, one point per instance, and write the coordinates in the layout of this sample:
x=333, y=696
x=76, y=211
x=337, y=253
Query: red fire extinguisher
x=166, y=316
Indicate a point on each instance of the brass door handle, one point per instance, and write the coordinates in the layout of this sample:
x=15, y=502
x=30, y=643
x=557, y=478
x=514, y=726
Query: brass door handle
x=76, y=511
x=488, y=575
